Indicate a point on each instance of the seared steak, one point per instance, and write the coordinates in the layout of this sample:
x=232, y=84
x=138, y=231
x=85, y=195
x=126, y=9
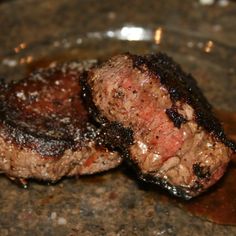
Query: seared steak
x=45, y=132
x=155, y=114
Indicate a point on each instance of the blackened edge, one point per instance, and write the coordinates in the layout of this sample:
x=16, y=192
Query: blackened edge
x=177, y=118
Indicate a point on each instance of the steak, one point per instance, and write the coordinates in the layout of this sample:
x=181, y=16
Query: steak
x=156, y=115
x=45, y=131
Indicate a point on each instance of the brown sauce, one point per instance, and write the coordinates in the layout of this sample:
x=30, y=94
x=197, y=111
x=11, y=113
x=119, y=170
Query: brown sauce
x=219, y=203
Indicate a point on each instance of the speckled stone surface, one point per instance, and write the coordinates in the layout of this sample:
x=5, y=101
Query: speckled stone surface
x=112, y=203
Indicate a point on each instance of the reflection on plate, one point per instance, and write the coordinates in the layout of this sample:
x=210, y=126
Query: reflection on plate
x=207, y=60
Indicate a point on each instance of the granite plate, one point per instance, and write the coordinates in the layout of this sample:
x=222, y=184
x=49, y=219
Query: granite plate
x=111, y=203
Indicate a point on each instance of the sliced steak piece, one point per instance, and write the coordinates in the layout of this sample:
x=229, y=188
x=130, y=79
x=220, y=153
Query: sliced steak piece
x=45, y=132
x=157, y=116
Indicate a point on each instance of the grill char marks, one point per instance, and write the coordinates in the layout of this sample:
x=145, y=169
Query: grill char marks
x=176, y=139
x=45, y=130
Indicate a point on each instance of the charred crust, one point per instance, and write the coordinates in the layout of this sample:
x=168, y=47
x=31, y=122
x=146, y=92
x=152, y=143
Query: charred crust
x=177, y=118
x=42, y=144
x=177, y=191
x=202, y=172
x=114, y=135
x=182, y=87
x=88, y=100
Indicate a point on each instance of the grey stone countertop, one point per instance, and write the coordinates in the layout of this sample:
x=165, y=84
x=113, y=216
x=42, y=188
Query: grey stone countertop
x=202, y=38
